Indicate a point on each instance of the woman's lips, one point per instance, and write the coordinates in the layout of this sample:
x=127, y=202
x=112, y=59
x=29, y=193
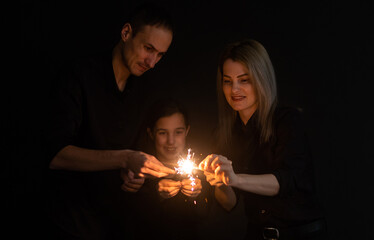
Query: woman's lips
x=237, y=98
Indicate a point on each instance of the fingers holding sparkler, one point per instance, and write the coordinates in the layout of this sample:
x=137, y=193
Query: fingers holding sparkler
x=212, y=180
x=191, y=188
x=145, y=165
x=210, y=163
x=153, y=167
x=218, y=169
x=168, y=188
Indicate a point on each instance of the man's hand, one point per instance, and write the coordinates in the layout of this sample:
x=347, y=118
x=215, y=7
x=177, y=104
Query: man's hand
x=130, y=182
x=145, y=165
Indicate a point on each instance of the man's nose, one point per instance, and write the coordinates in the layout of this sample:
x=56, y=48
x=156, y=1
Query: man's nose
x=151, y=60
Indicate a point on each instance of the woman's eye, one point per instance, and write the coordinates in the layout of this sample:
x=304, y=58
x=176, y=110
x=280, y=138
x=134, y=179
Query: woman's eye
x=226, y=81
x=161, y=133
x=244, y=80
x=180, y=132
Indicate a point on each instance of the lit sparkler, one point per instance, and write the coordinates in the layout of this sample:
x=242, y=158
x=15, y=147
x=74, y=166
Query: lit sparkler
x=186, y=166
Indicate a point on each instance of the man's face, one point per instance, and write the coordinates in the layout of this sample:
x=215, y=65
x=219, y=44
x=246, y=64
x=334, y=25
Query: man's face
x=143, y=51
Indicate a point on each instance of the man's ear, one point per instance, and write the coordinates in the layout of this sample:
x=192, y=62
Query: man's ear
x=126, y=32
x=150, y=134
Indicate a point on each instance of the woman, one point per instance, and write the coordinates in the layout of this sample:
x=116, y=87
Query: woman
x=263, y=153
x=172, y=207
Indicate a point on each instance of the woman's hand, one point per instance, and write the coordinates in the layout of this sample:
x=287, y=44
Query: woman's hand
x=168, y=188
x=218, y=169
x=212, y=180
x=189, y=190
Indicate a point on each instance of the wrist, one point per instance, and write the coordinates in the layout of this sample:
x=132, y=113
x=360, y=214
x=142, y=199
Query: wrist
x=235, y=180
x=123, y=158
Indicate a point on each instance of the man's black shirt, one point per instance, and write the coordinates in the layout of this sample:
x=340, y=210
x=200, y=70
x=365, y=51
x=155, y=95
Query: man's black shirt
x=89, y=111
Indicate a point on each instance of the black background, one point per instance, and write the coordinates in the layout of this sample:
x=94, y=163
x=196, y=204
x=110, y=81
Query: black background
x=322, y=53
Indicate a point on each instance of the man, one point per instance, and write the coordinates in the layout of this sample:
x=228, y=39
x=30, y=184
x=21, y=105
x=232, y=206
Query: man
x=94, y=123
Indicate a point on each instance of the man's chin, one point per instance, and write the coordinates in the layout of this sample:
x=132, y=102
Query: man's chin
x=137, y=73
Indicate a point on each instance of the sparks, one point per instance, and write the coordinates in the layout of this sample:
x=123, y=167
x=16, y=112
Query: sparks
x=186, y=167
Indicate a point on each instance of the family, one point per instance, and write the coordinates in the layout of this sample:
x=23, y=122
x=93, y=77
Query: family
x=111, y=171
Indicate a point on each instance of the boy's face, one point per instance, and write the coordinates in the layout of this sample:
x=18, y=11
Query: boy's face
x=169, y=136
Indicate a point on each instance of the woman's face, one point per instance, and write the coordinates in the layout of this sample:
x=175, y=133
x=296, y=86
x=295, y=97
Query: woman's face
x=238, y=89
x=169, y=136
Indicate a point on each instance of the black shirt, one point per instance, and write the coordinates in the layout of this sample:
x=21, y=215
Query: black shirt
x=178, y=217
x=287, y=156
x=89, y=111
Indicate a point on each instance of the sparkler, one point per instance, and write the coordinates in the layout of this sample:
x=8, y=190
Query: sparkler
x=186, y=166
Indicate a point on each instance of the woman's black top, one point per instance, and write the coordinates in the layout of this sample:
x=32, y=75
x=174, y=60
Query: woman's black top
x=287, y=156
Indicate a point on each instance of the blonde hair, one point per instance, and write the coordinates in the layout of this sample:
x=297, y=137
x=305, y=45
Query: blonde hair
x=255, y=57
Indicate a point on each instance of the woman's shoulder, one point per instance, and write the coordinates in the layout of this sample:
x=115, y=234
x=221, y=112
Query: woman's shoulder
x=287, y=117
x=283, y=113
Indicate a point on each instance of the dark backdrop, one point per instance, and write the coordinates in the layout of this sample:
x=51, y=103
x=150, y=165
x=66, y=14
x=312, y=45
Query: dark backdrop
x=322, y=54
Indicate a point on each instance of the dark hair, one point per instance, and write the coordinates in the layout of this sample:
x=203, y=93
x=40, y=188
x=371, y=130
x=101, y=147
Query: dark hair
x=150, y=14
x=165, y=107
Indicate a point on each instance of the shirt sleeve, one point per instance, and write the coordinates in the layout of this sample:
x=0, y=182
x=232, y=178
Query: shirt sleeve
x=294, y=170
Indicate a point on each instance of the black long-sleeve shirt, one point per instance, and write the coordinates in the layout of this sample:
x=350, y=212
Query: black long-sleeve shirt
x=178, y=217
x=287, y=156
x=89, y=111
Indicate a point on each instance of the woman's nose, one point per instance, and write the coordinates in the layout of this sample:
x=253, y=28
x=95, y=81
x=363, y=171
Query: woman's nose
x=235, y=87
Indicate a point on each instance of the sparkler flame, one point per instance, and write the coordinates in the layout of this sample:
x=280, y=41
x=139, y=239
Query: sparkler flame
x=186, y=166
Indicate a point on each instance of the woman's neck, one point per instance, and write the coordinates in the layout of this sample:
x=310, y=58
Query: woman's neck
x=245, y=115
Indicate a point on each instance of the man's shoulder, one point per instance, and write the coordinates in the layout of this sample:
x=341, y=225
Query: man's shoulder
x=91, y=62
